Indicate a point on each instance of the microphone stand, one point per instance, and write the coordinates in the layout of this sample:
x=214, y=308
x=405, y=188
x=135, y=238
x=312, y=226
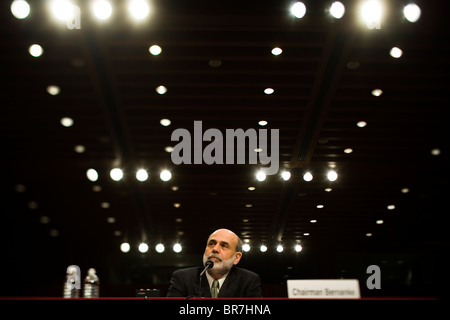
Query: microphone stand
x=208, y=265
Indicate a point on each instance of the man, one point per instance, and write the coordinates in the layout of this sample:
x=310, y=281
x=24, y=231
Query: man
x=224, y=248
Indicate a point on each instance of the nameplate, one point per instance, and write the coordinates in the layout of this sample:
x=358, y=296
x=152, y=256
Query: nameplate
x=324, y=289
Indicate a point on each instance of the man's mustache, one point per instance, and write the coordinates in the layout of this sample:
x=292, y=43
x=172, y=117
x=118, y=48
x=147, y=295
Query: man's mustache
x=212, y=255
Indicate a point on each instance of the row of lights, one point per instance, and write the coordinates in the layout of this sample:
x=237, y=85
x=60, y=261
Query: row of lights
x=371, y=11
x=177, y=248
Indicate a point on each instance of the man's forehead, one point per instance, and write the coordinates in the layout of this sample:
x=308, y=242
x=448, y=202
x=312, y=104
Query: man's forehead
x=223, y=236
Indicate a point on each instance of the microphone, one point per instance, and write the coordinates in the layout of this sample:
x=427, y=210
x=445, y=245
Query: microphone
x=208, y=265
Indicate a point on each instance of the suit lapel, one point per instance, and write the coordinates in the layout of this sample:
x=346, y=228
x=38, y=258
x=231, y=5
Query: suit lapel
x=229, y=286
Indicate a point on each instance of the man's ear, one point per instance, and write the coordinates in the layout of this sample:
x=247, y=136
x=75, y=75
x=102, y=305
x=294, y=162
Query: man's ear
x=237, y=257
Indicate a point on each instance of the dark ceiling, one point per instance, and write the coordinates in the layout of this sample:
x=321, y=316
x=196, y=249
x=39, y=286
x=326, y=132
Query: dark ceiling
x=216, y=62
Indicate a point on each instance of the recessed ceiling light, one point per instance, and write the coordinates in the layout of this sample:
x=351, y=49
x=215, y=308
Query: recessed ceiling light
x=396, y=52
x=369, y=234
x=377, y=92
x=155, y=50
x=111, y=220
x=298, y=9
x=116, y=174
x=168, y=149
x=306, y=234
x=20, y=9
x=177, y=205
x=105, y=205
x=262, y=123
x=138, y=9
x=258, y=150
x=260, y=176
x=142, y=175
x=269, y=91
x=143, y=247
x=307, y=176
x=337, y=10
x=67, y=122
x=348, y=150
x=361, y=124
x=35, y=50
x=102, y=9
x=174, y=188
x=248, y=205
x=159, y=248
x=313, y=221
x=286, y=175
x=412, y=12
x=165, y=175
x=125, y=247
x=177, y=248
x=79, y=148
x=276, y=51
x=405, y=190
x=251, y=188
x=332, y=175
x=391, y=207
x=436, y=152
x=320, y=206
x=92, y=175
x=161, y=89
x=165, y=122
x=379, y=222
x=298, y=248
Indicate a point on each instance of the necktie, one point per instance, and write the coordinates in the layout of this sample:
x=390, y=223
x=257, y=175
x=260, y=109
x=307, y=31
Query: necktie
x=215, y=289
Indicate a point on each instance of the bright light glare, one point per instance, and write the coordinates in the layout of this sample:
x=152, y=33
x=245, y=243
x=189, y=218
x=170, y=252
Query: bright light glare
x=280, y=248
x=160, y=248
x=260, y=176
x=67, y=122
x=298, y=10
x=298, y=248
x=116, y=174
x=92, y=175
x=165, y=122
x=263, y=248
x=125, y=247
x=142, y=175
x=20, y=9
x=412, y=12
x=269, y=91
x=177, y=248
x=286, y=175
x=139, y=9
x=102, y=9
x=332, y=175
x=155, y=50
x=161, y=89
x=246, y=247
x=62, y=10
x=337, y=10
x=143, y=247
x=276, y=51
x=35, y=50
x=396, y=52
x=165, y=175
x=307, y=176
x=377, y=92
x=371, y=13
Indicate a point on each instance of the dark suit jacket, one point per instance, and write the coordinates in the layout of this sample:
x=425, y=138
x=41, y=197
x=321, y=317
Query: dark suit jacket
x=239, y=283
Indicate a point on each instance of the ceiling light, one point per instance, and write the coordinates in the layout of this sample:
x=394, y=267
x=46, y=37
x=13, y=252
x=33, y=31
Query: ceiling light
x=391, y=207
x=396, y=52
x=369, y=234
x=79, y=148
x=161, y=89
x=35, y=50
x=20, y=9
x=307, y=176
x=328, y=189
x=371, y=14
x=248, y=205
x=436, y=152
x=251, y=188
x=348, y=150
x=116, y=174
x=165, y=175
x=142, y=175
x=298, y=248
x=96, y=188
x=262, y=123
x=159, y=248
x=377, y=92
x=139, y=9
x=92, y=175
x=246, y=247
x=405, y=190
x=379, y=222
x=67, y=122
x=286, y=175
x=125, y=247
x=276, y=51
x=332, y=175
x=313, y=221
x=62, y=10
x=361, y=124
x=269, y=91
x=177, y=248
x=102, y=9
x=53, y=90
x=111, y=220
x=260, y=176
x=105, y=205
x=280, y=248
x=337, y=10
x=174, y=188
x=412, y=12
x=258, y=150
x=298, y=9
x=168, y=149
x=306, y=234
x=143, y=247
x=165, y=122
x=155, y=50
x=177, y=205
x=320, y=206
x=263, y=248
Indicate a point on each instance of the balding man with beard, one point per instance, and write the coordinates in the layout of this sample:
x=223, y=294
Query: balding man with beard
x=224, y=279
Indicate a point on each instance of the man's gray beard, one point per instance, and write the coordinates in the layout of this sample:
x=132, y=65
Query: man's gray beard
x=220, y=268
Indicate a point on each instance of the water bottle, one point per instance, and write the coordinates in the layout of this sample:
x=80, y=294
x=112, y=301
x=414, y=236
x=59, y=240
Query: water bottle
x=72, y=285
x=91, y=285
